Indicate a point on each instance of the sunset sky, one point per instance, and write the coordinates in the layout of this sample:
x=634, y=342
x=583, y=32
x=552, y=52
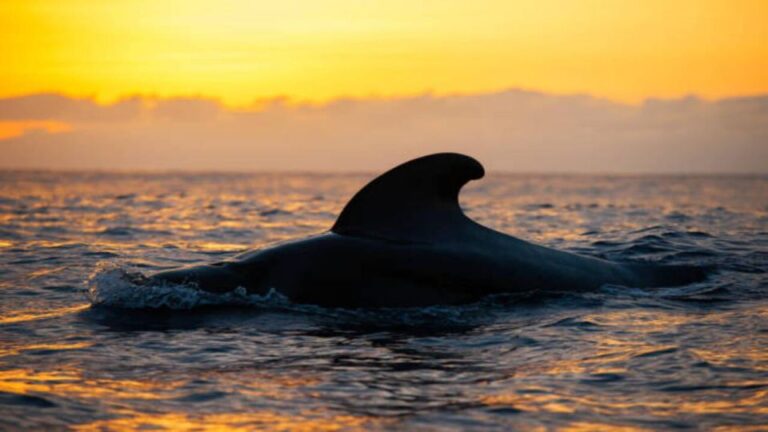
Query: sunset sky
x=241, y=53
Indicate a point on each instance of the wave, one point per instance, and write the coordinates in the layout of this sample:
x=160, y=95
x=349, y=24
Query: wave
x=116, y=285
x=113, y=285
x=119, y=285
x=685, y=292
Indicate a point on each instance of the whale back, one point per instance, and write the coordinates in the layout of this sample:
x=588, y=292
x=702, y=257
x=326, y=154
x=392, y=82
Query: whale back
x=417, y=201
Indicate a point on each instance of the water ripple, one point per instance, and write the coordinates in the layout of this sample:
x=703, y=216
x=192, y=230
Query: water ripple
x=126, y=356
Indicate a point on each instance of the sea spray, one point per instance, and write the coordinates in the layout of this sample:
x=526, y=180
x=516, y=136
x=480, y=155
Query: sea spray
x=116, y=285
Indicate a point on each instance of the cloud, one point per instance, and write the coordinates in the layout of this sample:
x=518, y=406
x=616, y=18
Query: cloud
x=512, y=130
x=58, y=107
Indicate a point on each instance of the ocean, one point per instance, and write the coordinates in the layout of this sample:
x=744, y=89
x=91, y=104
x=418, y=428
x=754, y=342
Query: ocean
x=83, y=347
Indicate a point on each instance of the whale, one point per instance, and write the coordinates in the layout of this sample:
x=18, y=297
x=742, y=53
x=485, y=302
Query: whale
x=404, y=241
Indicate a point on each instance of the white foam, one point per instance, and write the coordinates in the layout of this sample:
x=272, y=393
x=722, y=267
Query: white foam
x=112, y=284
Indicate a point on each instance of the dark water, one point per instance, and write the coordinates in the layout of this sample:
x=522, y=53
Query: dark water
x=687, y=357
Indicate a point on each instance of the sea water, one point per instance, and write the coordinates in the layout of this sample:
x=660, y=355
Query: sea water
x=82, y=345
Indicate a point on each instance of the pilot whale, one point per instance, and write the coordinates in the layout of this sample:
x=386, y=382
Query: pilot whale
x=404, y=241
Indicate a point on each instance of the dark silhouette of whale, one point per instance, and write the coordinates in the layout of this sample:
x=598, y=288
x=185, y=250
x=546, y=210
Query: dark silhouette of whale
x=403, y=241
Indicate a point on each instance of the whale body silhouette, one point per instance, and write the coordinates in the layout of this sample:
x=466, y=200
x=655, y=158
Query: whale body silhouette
x=404, y=241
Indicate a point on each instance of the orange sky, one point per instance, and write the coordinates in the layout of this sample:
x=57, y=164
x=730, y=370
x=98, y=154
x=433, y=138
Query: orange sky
x=241, y=50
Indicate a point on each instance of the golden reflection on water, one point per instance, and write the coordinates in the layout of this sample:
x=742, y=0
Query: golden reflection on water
x=640, y=321
x=72, y=383
x=36, y=314
x=736, y=396
x=529, y=402
x=669, y=406
x=258, y=420
x=756, y=355
x=44, y=272
x=219, y=247
x=600, y=427
x=13, y=350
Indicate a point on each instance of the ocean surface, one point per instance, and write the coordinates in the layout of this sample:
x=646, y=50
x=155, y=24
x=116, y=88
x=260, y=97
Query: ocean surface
x=83, y=347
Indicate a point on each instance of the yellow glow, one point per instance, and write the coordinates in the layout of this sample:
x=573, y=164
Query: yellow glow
x=11, y=129
x=598, y=427
x=31, y=315
x=71, y=382
x=220, y=247
x=240, y=50
x=258, y=420
x=13, y=350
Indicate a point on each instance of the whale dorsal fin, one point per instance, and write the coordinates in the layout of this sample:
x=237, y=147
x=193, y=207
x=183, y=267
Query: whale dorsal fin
x=416, y=201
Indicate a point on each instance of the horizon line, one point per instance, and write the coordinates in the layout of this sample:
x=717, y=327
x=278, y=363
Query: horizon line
x=489, y=172
x=261, y=102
